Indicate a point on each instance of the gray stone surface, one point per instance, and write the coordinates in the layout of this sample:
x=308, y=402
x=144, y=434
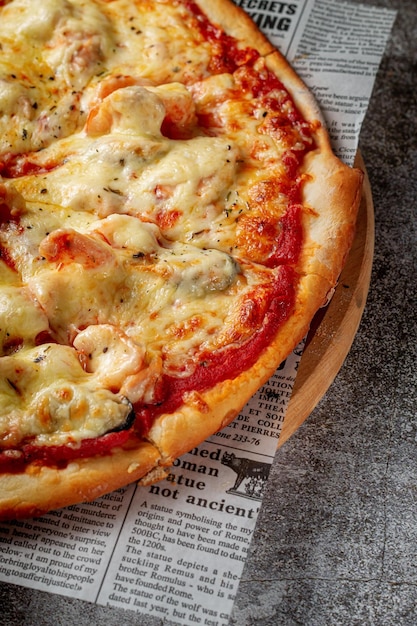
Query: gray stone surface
x=336, y=540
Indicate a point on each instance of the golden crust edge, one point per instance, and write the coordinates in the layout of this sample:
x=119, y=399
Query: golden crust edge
x=81, y=480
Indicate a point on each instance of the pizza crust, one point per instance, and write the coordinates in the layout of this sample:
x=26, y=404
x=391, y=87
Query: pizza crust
x=41, y=489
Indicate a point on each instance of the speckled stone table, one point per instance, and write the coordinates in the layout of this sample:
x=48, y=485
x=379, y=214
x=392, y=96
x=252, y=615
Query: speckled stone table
x=336, y=539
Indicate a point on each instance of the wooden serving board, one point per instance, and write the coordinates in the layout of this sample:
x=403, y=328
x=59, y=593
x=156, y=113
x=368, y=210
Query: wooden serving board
x=334, y=327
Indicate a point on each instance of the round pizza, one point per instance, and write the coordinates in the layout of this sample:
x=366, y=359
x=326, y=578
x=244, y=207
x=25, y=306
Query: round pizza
x=171, y=218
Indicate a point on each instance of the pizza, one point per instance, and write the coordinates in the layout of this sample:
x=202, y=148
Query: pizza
x=171, y=218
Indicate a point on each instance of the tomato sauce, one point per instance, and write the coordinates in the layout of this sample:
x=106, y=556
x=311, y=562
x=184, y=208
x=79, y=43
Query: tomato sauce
x=61, y=455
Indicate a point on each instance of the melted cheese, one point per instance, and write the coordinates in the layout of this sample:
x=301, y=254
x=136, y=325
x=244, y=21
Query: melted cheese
x=44, y=392
x=21, y=319
x=21, y=21
x=126, y=240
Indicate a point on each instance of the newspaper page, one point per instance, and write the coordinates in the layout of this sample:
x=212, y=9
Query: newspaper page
x=176, y=549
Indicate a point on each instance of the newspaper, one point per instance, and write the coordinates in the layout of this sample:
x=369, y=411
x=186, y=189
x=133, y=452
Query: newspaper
x=176, y=549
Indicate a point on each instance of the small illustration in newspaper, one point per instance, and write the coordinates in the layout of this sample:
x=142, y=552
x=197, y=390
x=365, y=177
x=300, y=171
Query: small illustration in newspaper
x=251, y=476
